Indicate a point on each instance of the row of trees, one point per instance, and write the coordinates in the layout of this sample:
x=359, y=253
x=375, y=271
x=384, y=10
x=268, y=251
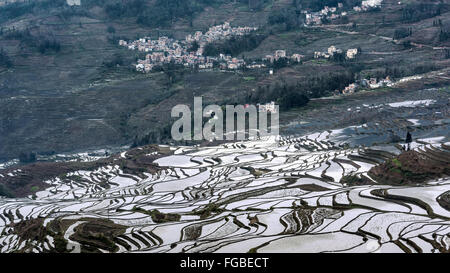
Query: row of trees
x=402, y=32
x=158, y=13
x=44, y=43
x=289, y=95
x=290, y=18
x=285, y=95
x=415, y=12
x=161, y=13
x=399, y=71
x=255, y=4
x=235, y=45
x=17, y=9
x=444, y=35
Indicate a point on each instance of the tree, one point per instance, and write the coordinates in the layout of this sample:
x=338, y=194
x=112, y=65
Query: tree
x=27, y=157
x=288, y=17
x=111, y=29
x=447, y=54
x=194, y=47
x=402, y=32
x=45, y=45
x=293, y=99
x=443, y=35
x=115, y=60
x=4, y=59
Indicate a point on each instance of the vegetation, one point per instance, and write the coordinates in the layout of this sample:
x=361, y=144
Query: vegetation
x=94, y=61
x=444, y=35
x=194, y=47
x=159, y=217
x=208, y=210
x=286, y=96
x=161, y=13
x=111, y=29
x=255, y=4
x=27, y=157
x=287, y=17
x=5, y=61
x=355, y=180
x=43, y=43
x=235, y=45
x=5, y=192
x=402, y=32
x=414, y=12
x=116, y=60
x=295, y=95
x=17, y=9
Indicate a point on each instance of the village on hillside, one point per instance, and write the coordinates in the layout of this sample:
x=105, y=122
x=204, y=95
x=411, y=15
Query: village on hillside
x=331, y=13
x=166, y=50
x=190, y=52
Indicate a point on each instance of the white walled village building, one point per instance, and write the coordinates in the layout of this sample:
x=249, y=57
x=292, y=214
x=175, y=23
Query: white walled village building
x=279, y=54
x=371, y=3
x=351, y=53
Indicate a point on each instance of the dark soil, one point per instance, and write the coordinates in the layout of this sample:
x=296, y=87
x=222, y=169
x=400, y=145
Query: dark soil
x=31, y=177
x=413, y=167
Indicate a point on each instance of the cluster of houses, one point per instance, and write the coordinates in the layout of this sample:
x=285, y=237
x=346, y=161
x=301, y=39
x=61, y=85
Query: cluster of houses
x=329, y=13
x=228, y=62
x=371, y=83
x=166, y=50
x=332, y=50
x=267, y=107
x=279, y=54
x=367, y=5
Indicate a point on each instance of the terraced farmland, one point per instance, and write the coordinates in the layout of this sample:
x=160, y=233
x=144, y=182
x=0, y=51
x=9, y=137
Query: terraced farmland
x=261, y=196
x=351, y=189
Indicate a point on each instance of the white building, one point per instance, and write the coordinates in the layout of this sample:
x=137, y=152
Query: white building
x=351, y=53
x=331, y=50
x=280, y=54
x=371, y=3
x=268, y=107
x=297, y=57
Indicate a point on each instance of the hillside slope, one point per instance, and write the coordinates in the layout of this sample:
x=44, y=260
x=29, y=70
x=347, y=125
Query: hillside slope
x=67, y=85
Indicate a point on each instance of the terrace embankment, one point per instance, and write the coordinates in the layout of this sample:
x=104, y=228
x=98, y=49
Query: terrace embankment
x=22, y=181
x=413, y=167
